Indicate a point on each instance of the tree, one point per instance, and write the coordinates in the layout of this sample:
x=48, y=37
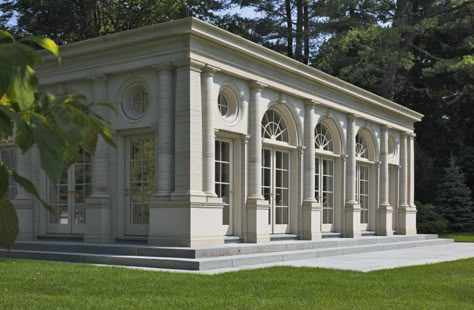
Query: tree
x=428, y=221
x=454, y=199
x=58, y=126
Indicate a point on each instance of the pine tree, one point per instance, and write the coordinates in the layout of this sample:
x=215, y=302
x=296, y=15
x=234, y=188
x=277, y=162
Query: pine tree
x=454, y=199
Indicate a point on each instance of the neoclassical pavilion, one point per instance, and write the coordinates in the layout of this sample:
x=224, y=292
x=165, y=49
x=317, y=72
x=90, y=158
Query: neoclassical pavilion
x=219, y=137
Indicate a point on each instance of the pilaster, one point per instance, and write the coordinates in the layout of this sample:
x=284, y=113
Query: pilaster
x=311, y=207
x=98, y=224
x=189, y=217
x=164, y=136
x=384, y=223
x=23, y=201
x=258, y=229
x=352, y=207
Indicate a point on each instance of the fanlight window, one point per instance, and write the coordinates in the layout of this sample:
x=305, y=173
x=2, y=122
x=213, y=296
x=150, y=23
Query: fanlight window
x=322, y=138
x=274, y=127
x=362, y=149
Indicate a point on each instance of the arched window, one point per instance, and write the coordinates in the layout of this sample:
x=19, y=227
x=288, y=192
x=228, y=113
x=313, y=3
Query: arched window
x=274, y=127
x=322, y=138
x=362, y=150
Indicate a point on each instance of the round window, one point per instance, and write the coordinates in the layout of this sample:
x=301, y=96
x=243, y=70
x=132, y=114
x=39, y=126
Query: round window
x=135, y=103
x=227, y=105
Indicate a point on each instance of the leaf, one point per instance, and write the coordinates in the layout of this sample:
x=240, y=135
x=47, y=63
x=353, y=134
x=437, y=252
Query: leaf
x=50, y=145
x=30, y=188
x=6, y=125
x=5, y=35
x=45, y=43
x=24, y=137
x=4, y=174
x=23, y=87
x=89, y=140
x=9, y=226
x=5, y=77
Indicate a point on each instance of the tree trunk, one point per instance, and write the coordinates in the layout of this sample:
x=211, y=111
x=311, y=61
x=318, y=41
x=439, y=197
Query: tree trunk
x=289, y=22
x=299, y=30
x=306, y=32
x=401, y=21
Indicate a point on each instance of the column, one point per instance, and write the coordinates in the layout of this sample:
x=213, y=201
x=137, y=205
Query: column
x=208, y=104
x=189, y=218
x=384, y=223
x=98, y=226
x=403, y=171
x=352, y=208
x=255, y=144
x=23, y=201
x=164, y=136
x=258, y=209
x=411, y=190
x=311, y=208
x=407, y=213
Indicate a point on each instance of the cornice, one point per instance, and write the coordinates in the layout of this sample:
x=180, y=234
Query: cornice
x=189, y=27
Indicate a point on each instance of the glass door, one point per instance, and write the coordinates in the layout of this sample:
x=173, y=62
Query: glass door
x=223, y=182
x=140, y=183
x=324, y=191
x=68, y=198
x=275, y=188
x=363, y=195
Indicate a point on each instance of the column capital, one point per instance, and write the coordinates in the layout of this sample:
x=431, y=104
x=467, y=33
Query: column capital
x=405, y=134
x=412, y=135
x=189, y=63
x=352, y=116
x=301, y=149
x=384, y=127
x=311, y=102
x=256, y=85
x=245, y=138
x=209, y=70
x=164, y=67
x=98, y=77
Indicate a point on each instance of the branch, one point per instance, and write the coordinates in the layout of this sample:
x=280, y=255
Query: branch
x=424, y=51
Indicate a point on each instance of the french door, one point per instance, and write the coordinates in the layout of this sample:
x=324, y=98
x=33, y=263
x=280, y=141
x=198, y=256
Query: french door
x=139, y=183
x=223, y=182
x=324, y=190
x=363, y=195
x=275, y=188
x=68, y=198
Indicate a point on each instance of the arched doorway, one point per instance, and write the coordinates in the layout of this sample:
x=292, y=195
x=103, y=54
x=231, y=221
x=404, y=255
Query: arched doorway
x=276, y=169
x=365, y=184
x=327, y=146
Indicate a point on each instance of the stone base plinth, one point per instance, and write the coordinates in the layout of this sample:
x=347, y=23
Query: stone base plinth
x=384, y=223
x=190, y=223
x=311, y=220
x=258, y=229
x=98, y=227
x=352, y=220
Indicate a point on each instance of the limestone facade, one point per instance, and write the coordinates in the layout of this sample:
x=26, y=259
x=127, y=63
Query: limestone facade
x=217, y=136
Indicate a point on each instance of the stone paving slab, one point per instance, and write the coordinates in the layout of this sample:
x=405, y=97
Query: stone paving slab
x=366, y=262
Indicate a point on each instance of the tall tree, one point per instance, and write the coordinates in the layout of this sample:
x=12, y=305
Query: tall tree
x=454, y=199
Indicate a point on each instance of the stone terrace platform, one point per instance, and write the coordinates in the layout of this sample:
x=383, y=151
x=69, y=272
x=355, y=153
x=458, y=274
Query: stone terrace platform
x=209, y=258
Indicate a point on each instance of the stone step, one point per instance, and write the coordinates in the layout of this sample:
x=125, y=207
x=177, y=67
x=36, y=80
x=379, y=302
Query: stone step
x=203, y=252
x=283, y=237
x=213, y=262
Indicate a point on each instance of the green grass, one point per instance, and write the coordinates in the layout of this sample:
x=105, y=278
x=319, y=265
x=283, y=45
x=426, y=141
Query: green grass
x=459, y=237
x=49, y=285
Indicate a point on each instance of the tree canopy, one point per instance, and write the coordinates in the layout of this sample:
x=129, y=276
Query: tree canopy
x=419, y=53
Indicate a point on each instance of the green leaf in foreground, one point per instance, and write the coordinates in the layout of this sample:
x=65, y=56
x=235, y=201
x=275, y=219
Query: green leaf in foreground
x=9, y=227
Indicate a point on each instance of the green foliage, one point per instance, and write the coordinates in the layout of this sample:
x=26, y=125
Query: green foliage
x=54, y=285
x=428, y=221
x=58, y=126
x=454, y=199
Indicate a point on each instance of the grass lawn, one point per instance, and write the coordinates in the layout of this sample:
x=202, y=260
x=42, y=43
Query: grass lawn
x=459, y=237
x=49, y=285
